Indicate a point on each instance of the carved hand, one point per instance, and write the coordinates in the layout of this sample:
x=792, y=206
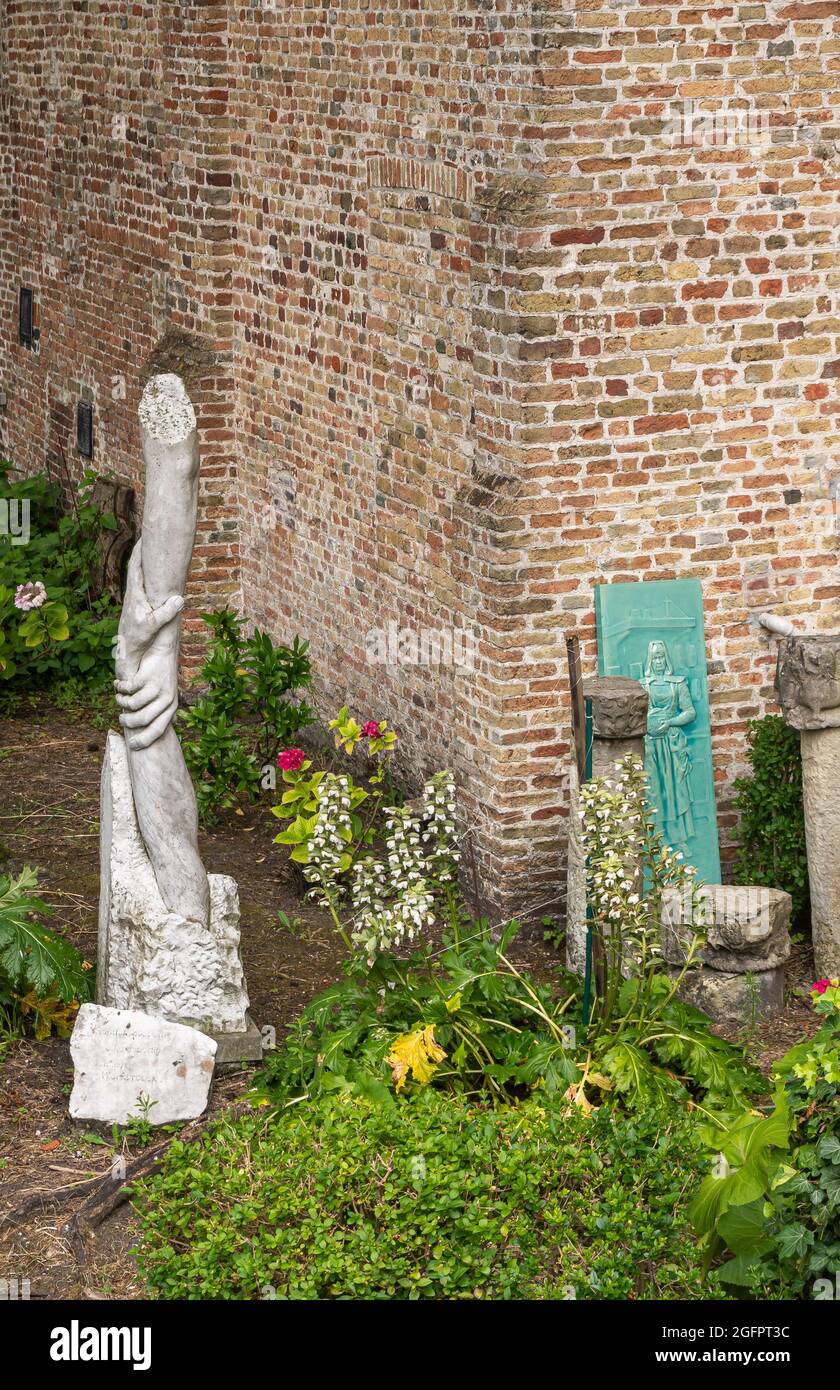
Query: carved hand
x=147, y=666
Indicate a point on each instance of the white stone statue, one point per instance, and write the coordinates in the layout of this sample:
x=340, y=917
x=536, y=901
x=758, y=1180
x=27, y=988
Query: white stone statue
x=168, y=934
x=149, y=640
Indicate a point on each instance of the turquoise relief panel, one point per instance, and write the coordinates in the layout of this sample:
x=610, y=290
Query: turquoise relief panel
x=654, y=633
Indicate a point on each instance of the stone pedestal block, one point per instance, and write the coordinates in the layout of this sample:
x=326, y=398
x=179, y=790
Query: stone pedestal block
x=736, y=1000
x=745, y=928
x=808, y=680
x=619, y=707
x=128, y=1065
x=821, y=798
x=808, y=688
x=151, y=959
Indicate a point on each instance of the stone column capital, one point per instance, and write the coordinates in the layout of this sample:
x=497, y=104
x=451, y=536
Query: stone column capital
x=619, y=706
x=808, y=681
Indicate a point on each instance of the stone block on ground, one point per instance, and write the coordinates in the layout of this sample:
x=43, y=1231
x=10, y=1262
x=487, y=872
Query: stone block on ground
x=737, y=1000
x=127, y=1064
x=746, y=928
x=152, y=959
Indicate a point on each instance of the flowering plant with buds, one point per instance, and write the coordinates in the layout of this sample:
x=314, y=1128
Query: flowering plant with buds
x=648, y=1044
x=301, y=800
x=379, y=899
x=394, y=897
x=45, y=623
x=629, y=867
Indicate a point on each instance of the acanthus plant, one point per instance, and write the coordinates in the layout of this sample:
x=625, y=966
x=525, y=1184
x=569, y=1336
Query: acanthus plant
x=648, y=1042
x=378, y=870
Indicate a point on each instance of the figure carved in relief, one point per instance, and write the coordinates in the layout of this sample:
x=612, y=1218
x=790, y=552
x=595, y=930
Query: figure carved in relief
x=668, y=756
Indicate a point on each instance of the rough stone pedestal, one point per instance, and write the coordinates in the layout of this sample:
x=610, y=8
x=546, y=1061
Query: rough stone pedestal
x=741, y=975
x=157, y=961
x=821, y=799
x=619, y=723
x=808, y=688
x=736, y=1000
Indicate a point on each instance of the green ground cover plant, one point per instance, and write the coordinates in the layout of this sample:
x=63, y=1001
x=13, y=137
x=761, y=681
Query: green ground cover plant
x=441, y=1124
x=425, y=1197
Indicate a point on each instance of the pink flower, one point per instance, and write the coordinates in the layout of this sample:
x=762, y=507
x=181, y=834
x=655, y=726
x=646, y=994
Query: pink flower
x=371, y=729
x=820, y=986
x=30, y=595
x=291, y=759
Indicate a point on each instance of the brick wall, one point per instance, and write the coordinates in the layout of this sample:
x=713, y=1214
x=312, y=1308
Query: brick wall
x=376, y=381
x=115, y=139
x=479, y=305
x=6, y=204
x=684, y=330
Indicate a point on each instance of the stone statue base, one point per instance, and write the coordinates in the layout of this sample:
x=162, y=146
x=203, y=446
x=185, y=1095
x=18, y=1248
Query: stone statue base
x=732, y=999
x=154, y=960
x=741, y=975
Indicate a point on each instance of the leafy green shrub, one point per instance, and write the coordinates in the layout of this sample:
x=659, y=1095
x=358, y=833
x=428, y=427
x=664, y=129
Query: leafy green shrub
x=499, y=1033
x=69, y=637
x=773, y=1200
x=467, y=1020
x=772, y=825
x=464, y=1017
x=41, y=975
x=427, y=1198
x=231, y=736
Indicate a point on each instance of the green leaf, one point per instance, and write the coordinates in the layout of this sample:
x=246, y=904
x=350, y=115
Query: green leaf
x=794, y=1240
x=744, y=1229
x=829, y=1148
x=33, y=957
x=738, y=1270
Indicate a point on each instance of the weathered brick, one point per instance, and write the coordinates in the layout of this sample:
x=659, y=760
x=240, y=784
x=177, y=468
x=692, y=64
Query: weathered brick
x=431, y=389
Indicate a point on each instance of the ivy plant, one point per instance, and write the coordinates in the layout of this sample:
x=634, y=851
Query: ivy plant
x=772, y=820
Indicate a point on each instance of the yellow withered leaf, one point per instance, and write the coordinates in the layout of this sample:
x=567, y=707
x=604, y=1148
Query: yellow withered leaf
x=577, y=1096
x=415, y=1052
x=595, y=1078
x=48, y=1013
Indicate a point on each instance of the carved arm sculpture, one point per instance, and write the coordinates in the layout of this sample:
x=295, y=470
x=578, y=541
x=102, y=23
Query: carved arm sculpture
x=149, y=641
